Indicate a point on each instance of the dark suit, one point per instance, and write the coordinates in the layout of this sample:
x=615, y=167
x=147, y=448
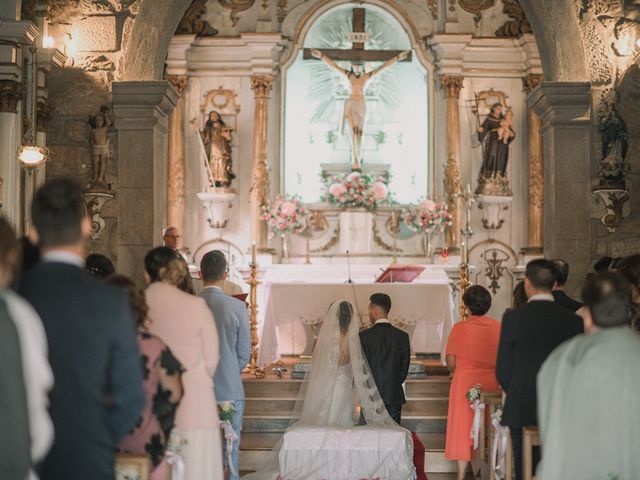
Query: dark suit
x=388, y=353
x=528, y=335
x=97, y=397
x=566, y=301
x=14, y=418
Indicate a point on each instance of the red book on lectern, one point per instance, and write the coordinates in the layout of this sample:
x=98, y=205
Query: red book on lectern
x=400, y=273
x=241, y=296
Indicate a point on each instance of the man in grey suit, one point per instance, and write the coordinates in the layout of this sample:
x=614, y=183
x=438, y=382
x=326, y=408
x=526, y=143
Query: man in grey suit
x=232, y=321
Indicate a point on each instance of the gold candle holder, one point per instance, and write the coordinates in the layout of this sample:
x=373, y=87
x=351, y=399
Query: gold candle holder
x=253, y=283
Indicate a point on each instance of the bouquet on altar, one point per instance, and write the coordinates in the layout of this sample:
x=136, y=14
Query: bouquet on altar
x=285, y=215
x=357, y=190
x=427, y=217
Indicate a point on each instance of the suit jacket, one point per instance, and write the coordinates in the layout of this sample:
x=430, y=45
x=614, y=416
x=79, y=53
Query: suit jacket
x=566, y=301
x=232, y=322
x=14, y=418
x=528, y=335
x=184, y=322
x=388, y=352
x=97, y=397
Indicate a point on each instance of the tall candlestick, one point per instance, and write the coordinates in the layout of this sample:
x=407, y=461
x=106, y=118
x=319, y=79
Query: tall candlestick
x=253, y=252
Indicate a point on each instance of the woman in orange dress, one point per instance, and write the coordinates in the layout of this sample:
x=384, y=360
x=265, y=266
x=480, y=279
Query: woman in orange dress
x=471, y=354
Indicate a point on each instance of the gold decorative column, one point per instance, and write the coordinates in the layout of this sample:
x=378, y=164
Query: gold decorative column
x=176, y=192
x=535, y=173
x=451, y=84
x=261, y=85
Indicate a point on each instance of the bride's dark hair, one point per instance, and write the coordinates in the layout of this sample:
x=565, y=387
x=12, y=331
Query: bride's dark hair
x=345, y=313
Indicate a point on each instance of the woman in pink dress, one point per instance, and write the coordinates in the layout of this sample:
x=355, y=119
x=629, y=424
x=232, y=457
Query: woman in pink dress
x=162, y=388
x=471, y=354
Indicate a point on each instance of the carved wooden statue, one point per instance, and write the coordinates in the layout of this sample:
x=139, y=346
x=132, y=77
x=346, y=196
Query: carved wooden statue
x=100, y=124
x=496, y=133
x=217, y=137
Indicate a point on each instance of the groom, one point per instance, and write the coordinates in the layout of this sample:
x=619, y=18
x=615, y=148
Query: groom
x=388, y=352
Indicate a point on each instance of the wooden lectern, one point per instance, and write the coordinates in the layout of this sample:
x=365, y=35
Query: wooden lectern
x=400, y=273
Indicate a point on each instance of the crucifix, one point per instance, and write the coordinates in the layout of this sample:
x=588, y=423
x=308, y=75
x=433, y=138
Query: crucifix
x=355, y=105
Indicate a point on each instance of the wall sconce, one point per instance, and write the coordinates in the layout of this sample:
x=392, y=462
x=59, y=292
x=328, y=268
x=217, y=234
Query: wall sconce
x=31, y=157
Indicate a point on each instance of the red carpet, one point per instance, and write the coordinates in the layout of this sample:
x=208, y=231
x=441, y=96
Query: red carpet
x=418, y=457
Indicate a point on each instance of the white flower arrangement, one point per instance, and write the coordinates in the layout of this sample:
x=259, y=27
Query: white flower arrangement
x=473, y=395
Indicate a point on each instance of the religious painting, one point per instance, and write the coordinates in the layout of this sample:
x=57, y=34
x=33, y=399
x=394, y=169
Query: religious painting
x=356, y=98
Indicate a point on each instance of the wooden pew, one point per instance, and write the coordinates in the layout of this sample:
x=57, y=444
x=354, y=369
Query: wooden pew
x=530, y=439
x=493, y=401
x=137, y=466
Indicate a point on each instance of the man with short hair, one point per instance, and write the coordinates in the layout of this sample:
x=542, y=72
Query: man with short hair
x=388, y=352
x=171, y=238
x=528, y=335
x=97, y=398
x=559, y=295
x=588, y=391
x=232, y=321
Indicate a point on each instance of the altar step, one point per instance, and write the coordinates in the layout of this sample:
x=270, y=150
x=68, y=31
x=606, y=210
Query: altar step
x=270, y=402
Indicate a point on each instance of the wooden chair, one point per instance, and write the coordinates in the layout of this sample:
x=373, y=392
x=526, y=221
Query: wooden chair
x=493, y=400
x=530, y=439
x=133, y=467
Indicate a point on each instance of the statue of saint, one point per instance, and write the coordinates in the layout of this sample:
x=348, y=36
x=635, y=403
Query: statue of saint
x=216, y=138
x=356, y=106
x=100, y=124
x=613, y=166
x=496, y=133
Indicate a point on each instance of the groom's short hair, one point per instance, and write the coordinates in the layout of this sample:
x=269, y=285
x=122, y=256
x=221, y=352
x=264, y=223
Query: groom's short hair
x=213, y=265
x=381, y=300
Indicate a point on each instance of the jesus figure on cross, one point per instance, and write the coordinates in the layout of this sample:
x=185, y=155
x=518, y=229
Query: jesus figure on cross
x=356, y=106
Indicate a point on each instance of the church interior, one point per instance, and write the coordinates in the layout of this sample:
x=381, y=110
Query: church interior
x=332, y=149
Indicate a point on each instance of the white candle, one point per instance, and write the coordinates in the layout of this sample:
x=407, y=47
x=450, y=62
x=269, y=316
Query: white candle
x=253, y=252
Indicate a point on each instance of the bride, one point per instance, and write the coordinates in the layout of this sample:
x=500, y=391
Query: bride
x=340, y=379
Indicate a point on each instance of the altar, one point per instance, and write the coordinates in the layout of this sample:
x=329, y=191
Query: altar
x=302, y=294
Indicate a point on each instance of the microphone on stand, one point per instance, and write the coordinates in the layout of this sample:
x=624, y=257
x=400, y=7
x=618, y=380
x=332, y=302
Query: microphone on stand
x=349, y=268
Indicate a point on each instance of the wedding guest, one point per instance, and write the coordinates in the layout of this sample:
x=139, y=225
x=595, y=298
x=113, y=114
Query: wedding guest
x=519, y=296
x=471, y=355
x=98, y=393
x=176, y=272
x=171, y=238
x=603, y=265
x=99, y=266
x=528, y=335
x=559, y=295
x=232, y=322
x=184, y=322
x=162, y=386
x=588, y=391
x=629, y=267
x=388, y=352
x=32, y=344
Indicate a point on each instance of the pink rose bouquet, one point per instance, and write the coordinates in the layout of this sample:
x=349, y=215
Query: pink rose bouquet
x=285, y=215
x=357, y=190
x=427, y=217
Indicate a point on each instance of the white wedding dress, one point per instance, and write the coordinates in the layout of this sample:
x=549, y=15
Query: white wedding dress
x=323, y=441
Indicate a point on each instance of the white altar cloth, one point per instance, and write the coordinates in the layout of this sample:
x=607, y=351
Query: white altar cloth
x=367, y=452
x=423, y=308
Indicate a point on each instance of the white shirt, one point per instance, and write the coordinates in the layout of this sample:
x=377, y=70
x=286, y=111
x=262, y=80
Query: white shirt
x=38, y=378
x=62, y=256
x=545, y=297
x=382, y=320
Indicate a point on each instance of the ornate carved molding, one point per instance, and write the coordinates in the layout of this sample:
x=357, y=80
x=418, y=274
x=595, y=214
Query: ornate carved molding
x=10, y=94
x=192, y=22
x=236, y=6
x=261, y=85
x=282, y=10
x=44, y=114
x=476, y=7
x=222, y=99
x=451, y=84
x=452, y=182
x=531, y=81
x=519, y=25
x=432, y=6
x=333, y=241
x=179, y=82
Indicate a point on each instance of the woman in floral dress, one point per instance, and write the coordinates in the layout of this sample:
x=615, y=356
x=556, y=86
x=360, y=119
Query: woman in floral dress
x=162, y=386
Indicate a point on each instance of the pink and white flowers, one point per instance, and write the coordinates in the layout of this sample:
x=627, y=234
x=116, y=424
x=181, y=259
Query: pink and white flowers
x=357, y=190
x=427, y=217
x=285, y=215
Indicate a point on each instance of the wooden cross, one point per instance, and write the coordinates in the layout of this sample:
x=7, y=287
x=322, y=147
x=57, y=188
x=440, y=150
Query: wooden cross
x=356, y=53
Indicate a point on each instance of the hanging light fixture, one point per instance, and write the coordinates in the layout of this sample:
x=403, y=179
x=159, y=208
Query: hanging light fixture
x=31, y=155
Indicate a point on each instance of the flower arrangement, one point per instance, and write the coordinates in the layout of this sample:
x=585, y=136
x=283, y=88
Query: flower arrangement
x=473, y=395
x=225, y=410
x=428, y=217
x=285, y=215
x=357, y=190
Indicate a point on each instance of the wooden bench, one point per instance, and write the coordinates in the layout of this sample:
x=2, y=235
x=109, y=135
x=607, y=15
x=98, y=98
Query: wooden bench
x=493, y=401
x=133, y=466
x=530, y=439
